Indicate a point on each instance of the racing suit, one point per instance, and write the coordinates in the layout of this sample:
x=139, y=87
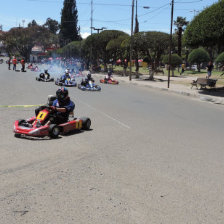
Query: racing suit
x=87, y=80
x=65, y=77
x=60, y=116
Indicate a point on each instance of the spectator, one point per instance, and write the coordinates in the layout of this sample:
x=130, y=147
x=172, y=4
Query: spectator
x=9, y=63
x=209, y=69
x=14, y=61
x=23, y=65
x=182, y=68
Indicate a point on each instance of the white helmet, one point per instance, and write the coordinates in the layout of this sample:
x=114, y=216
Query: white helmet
x=66, y=71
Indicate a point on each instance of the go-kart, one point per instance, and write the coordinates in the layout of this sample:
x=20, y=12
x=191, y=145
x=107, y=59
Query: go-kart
x=44, y=78
x=69, y=82
x=109, y=81
x=30, y=66
x=35, y=69
x=90, y=86
x=39, y=126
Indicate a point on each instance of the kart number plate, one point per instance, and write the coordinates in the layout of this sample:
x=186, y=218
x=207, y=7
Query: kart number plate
x=78, y=125
x=41, y=116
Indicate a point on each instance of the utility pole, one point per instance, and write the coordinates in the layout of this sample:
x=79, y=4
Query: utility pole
x=91, y=16
x=91, y=49
x=131, y=42
x=171, y=31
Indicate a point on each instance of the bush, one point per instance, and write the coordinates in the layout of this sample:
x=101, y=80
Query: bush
x=176, y=60
x=198, y=56
x=220, y=59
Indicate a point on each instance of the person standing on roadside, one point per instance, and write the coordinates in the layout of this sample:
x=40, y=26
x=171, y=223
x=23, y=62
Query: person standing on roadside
x=23, y=65
x=14, y=61
x=209, y=69
x=182, y=68
x=9, y=63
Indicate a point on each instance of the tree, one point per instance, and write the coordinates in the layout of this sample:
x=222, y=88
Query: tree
x=176, y=60
x=97, y=44
x=33, y=23
x=180, y=23
x=90, y=48
x=52, y=25
x=22, y=40
x=104, y=38
x=69, y=19
x=220, y=59
x=207, y=29
x=152, y=44
x=116, y=50
x=198, y=56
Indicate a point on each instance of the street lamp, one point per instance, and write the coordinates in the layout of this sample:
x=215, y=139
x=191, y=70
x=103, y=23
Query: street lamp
x=194, y=11
x=98, y=29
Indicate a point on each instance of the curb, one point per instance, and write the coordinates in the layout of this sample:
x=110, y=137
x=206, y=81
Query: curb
x=210, y=99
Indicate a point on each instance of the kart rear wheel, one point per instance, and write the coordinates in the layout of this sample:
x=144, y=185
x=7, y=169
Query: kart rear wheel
x=54, y=131
x=86, y=123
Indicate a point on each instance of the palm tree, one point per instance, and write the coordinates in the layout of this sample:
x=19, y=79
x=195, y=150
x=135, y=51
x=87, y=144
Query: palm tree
x=181, y=24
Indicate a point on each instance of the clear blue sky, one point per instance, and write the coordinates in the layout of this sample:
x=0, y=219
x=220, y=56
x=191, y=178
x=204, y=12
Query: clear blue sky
x=112, y=14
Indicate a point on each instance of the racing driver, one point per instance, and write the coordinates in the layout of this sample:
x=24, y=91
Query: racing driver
x=62, y=107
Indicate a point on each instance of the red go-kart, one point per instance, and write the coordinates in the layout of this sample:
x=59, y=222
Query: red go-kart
x=109, y=81
x=40, y=127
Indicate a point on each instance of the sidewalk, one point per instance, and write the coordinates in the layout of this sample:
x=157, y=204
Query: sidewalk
x=214, y=96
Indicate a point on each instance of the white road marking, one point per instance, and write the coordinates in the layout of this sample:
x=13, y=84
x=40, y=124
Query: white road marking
x=106, y=115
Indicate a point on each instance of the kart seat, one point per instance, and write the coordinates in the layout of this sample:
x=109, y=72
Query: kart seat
x=50, y=100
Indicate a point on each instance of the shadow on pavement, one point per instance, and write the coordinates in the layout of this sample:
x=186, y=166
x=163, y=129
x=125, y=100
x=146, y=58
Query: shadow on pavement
x=75, y=132
x=219, y=91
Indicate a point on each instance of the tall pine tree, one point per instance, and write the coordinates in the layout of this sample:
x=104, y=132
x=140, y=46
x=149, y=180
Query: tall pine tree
x=69, y=23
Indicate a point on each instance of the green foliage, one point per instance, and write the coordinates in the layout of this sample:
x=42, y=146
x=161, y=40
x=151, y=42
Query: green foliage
x=151, y=44
x=198, y=56
x=115, y=44
x=176, y=60
x=207, y=28
x=69, y=19
x=33, y=23
x=180, y=23
x=220, y=59
x=23, y=39
x=102, y=45
x=52, y=25
x=115, y=48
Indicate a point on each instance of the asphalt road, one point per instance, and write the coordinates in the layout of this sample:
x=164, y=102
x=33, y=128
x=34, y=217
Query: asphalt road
x=151, y=157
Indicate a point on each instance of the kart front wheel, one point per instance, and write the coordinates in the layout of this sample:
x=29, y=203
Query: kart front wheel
x=17, y=135
x=86, y=123
x=54, y=131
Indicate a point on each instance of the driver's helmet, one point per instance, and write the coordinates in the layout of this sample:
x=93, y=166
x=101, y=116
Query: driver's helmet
x=89, y=75
x=45, y=71
x=66, y=71
x=61, y=94
x=110, y=73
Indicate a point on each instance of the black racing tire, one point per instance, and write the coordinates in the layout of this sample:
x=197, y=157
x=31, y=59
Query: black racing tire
x=54, y=131
x=86, y=123
x=17, y=135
